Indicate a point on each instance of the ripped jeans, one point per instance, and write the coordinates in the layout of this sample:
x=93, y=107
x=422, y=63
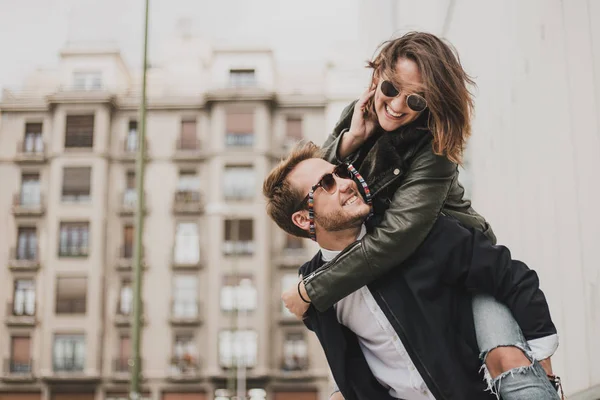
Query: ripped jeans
x=495, y=326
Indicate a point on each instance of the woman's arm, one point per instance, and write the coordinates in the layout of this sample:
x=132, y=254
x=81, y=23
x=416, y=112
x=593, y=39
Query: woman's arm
x=414, y=208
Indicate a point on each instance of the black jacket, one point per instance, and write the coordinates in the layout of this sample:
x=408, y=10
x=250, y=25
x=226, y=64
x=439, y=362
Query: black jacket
x=428, y=302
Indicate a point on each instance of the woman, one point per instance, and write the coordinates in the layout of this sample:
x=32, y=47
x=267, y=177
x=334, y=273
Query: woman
x=406, y=136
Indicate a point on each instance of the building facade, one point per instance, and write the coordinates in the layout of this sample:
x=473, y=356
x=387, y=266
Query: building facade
x=214, y=264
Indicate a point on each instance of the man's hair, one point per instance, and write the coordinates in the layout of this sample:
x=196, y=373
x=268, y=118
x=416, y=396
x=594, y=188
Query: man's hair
x=282, y=198
x=449, y=101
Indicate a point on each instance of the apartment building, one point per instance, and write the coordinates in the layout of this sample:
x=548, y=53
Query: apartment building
x=214, y=265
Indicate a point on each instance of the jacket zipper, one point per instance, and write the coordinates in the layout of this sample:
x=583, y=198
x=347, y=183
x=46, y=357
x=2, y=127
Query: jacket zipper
x=431, y=382
x=325, y=267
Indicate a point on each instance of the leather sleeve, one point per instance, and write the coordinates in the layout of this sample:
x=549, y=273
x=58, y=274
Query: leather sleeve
x=415, y=206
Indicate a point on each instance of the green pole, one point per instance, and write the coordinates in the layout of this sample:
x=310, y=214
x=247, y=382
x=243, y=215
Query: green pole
x=139, y=227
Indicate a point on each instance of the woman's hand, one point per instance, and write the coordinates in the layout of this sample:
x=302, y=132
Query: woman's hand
x=360, y=129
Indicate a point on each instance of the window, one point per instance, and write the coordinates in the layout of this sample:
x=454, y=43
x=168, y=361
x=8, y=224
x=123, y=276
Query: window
x=239, y=237
x=287, y=281
x=71, y=295
x=68, y=353
x=130, y=195
x=188, y=139
x=20, y=355
x=24, y=298
x=74, y=239
x=87, y=80
x=237, y=347
x=242, y=77
x=293, y=243
x=30, y=190
x=125, y=298
x=131, y=141
x=251, y=394
x=185, y=354
x=27, y=243
x=185, y=296
x=122, y=360
x=239, y=129
x=189, y=181
x=33, y=143
x=127, y=249
x=238, y=292
x=187, y=243
x=295, y=352
x=76, y=184
x=80, y=131
x=239, y=182
x=293, y=131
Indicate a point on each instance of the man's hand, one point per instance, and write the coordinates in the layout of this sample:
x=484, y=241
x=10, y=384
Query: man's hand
x=336, y=396
x=293, y=302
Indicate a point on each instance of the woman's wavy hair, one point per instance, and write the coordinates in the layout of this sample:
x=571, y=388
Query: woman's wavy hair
x=446, y=87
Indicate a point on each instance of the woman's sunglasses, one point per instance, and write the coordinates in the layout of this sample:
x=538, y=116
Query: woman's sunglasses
x=328, y=183
x=415, y=102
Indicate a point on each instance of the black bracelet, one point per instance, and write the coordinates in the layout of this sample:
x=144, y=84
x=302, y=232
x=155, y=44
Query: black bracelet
x=300, y=293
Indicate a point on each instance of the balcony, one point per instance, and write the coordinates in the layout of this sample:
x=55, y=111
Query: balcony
x=294, y=368
x=186, y=262
x=124, y=313
x=31, y=152
x=28, y=206
x=18, y=370
x=128, y=202
x=189, y=151
x=239, y=140
x=185, y=313
x=184, y=368
x=24, y=259
x=188, y=202
x=20, y=314
x=291, y=257
x=128, y=151
x=125, y=258
x=68, y=365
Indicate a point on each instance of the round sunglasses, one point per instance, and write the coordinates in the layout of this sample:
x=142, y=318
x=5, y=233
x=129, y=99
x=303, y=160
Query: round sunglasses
x=415, y=102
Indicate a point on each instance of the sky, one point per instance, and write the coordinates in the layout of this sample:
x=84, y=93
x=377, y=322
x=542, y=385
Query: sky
x=32, y=32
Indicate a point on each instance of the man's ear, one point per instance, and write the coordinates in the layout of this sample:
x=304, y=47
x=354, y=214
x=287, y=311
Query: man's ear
x=301, y=220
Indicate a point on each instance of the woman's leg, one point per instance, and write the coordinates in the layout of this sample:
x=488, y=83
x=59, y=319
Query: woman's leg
x=510, y=369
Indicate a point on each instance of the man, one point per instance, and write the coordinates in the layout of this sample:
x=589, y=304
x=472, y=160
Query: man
x=409, y=335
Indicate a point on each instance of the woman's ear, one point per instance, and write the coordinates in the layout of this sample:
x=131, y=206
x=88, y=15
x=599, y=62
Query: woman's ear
x=301, y=220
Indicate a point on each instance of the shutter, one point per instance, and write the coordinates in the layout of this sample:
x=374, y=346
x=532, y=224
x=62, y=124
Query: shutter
x=240, y=122
x=73, y=396
x=188, y=135
x=295, y=396
x=80, y=131
x=20, y=396
x=20, y=349
x=76, y=181
x=293, y=128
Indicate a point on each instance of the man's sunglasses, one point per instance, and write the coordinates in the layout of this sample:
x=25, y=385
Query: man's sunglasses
x=415, y=102
x=328, y=183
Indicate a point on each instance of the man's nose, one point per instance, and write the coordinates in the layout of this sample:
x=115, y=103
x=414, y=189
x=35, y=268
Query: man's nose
x=343, y=184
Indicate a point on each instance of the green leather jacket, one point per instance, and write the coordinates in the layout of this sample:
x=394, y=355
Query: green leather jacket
x=410, y=186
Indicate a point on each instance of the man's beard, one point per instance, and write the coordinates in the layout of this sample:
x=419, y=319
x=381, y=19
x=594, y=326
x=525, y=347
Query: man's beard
x=339, y=221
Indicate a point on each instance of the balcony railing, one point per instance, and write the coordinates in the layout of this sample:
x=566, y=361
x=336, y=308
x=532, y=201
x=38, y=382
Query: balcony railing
x=68, y=364
x=186, y=261
x=125, y=256
x=128, y=202
x=184, y=367
x=30, y=206
x=129, y=149
x=294, y=364
x=73, y=250
x=124, y=312
x=21, y=309
x=121, y=365
x=188, y=202
x=24, y=258
x=20, y=314
x=185, y=312
x=239, y=139
x=32, y=151
x=18, y=368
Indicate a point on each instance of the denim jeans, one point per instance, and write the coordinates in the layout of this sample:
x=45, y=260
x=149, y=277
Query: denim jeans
x=496, y=327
